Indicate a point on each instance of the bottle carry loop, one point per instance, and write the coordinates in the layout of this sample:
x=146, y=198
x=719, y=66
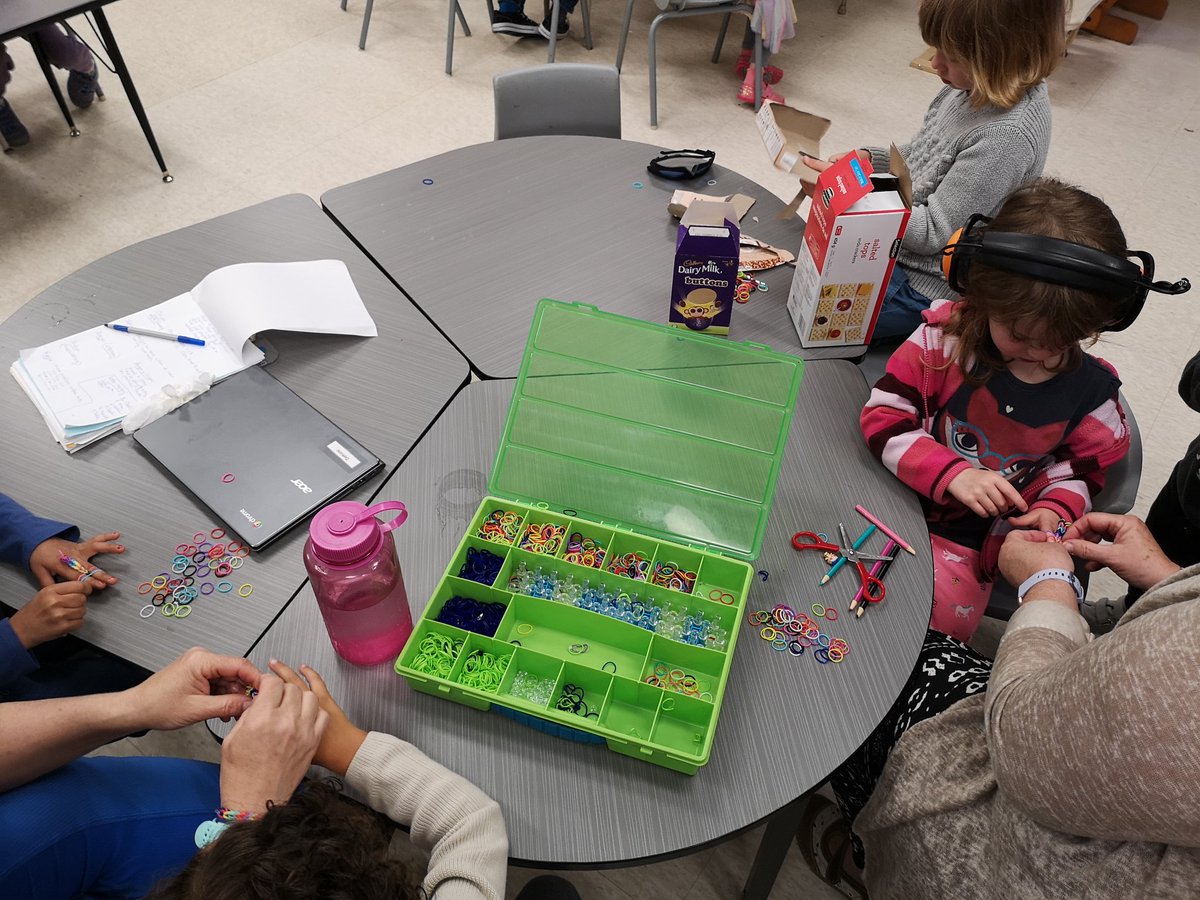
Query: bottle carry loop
x=391, y=524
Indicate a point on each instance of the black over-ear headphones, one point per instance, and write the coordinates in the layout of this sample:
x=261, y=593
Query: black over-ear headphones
x=1057, y=262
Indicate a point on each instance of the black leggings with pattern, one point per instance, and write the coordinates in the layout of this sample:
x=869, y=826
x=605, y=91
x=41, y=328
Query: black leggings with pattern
x=947, y=671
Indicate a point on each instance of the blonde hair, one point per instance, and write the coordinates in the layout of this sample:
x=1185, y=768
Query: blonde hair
x=1008, y=46
x=1069, y=316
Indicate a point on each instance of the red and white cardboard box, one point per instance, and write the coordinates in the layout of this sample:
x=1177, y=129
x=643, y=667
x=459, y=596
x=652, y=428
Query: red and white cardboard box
x=850, y=244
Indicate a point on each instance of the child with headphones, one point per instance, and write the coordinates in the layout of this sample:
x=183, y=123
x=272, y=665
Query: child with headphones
x=985, y=134
x=992, y=410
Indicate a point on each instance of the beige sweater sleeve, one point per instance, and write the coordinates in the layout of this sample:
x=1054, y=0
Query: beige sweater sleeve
x=459, y=824
x=1099, y=739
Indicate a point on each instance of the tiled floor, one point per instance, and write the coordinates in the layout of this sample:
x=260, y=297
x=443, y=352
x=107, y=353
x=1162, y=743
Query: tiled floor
x=253, y=101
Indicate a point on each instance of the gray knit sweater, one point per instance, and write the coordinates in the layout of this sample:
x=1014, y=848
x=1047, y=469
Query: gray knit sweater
x=965, y=161
x=1075, y=776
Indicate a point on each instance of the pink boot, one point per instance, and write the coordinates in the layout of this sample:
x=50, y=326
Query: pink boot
x=746, y=91
x=771, y=74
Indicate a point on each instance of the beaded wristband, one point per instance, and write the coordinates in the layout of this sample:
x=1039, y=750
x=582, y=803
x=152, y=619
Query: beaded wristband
x=225, y=814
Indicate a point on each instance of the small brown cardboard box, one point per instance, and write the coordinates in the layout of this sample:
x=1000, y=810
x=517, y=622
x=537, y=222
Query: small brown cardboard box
x=791, y=134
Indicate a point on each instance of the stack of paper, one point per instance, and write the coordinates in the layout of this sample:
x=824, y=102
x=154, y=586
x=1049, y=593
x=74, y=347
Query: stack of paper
x=85, y=385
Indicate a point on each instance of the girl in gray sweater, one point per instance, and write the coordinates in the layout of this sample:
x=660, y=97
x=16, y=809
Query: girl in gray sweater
x=985, y=134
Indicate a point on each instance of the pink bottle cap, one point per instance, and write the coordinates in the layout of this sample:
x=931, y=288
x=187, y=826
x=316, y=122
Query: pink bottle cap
x=347, y=532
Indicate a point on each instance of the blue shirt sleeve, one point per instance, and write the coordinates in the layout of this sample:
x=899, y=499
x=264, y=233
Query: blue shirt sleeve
x=15, y=660
x=21, y=531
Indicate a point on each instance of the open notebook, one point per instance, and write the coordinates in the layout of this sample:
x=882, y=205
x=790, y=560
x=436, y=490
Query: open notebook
x=84, y=385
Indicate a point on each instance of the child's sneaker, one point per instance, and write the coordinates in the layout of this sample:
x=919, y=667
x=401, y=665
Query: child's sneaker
x=513, y=23
x=771, y=74
x=746, y=91
x=82, y=87
x=15, y=134
x=563, y=26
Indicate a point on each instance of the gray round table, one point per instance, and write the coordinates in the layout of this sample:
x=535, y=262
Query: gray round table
x=112, y=485
x=478, y=235
x=785, y=723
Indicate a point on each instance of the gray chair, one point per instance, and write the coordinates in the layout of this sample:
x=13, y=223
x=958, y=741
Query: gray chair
x=1118, y=496
x=362, y=37
x=566, y=98
x=550, y=10
x=682, y=9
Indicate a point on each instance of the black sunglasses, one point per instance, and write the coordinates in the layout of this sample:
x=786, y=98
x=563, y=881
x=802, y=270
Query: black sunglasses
x=681, y=164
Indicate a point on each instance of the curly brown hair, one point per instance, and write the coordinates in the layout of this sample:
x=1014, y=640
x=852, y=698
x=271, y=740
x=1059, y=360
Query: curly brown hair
x=319, y=846
x=1068, y=316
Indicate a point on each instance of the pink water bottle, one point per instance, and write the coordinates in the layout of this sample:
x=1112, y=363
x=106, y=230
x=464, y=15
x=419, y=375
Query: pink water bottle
x=351, y=560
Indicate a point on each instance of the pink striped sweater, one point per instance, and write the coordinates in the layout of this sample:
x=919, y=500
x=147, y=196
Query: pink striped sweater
x=1052, y=440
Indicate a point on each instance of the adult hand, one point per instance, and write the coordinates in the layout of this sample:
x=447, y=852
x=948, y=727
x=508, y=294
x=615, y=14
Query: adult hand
x=1133, y=554
x=1025, y=553
x=199, y=685
x=1039, y=518
x=45, y=564
x=342, y=738
x=986, y=493
x=270, y=748
x=54, y=611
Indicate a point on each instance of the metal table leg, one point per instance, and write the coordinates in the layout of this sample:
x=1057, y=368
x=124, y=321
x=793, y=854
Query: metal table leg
x=40, y=53
x=776, y=840
x=110, y=44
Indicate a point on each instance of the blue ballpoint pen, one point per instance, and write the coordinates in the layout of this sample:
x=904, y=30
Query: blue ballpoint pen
x=146, y=332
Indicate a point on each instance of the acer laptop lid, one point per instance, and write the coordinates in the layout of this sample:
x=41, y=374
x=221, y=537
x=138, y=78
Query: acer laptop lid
x=257, y=455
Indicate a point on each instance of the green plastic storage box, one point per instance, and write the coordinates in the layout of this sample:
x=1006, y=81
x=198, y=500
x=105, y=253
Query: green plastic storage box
x=633, y=481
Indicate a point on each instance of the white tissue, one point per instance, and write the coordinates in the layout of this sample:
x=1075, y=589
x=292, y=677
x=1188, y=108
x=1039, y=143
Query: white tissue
x=171, y=396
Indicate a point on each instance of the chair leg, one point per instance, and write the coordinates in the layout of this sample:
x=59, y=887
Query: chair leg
x=758, y=72
x=653, y=74
x=624, y=33
x=362, y=39
x=716, y=57
x=585, y=9
x=343, y=5
x=553, y=31
x=463, y=19
x=450, y=38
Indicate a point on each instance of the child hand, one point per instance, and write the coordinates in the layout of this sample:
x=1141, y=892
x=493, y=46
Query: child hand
x=986, y=493
x=54, y=611
x=45, y=563
x=818, y=165
x=342, y=738
x=1039, y=519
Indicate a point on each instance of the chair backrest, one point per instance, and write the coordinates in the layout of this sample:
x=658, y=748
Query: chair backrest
x=563, y=98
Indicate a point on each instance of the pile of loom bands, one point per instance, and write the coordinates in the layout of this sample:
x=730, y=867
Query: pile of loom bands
x=483, y=670
x=500, y=527
x=631, y=565
x=436, y=655
x=471, y=615
x=584, y=551
x=542, y=538
x=572, y=700
x=481, y=565
x=669, y=575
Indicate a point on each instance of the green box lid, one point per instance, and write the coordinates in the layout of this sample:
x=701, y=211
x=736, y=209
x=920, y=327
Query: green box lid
x=670, y=434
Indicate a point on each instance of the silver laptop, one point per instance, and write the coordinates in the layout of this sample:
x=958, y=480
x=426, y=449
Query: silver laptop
x=257, y=455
